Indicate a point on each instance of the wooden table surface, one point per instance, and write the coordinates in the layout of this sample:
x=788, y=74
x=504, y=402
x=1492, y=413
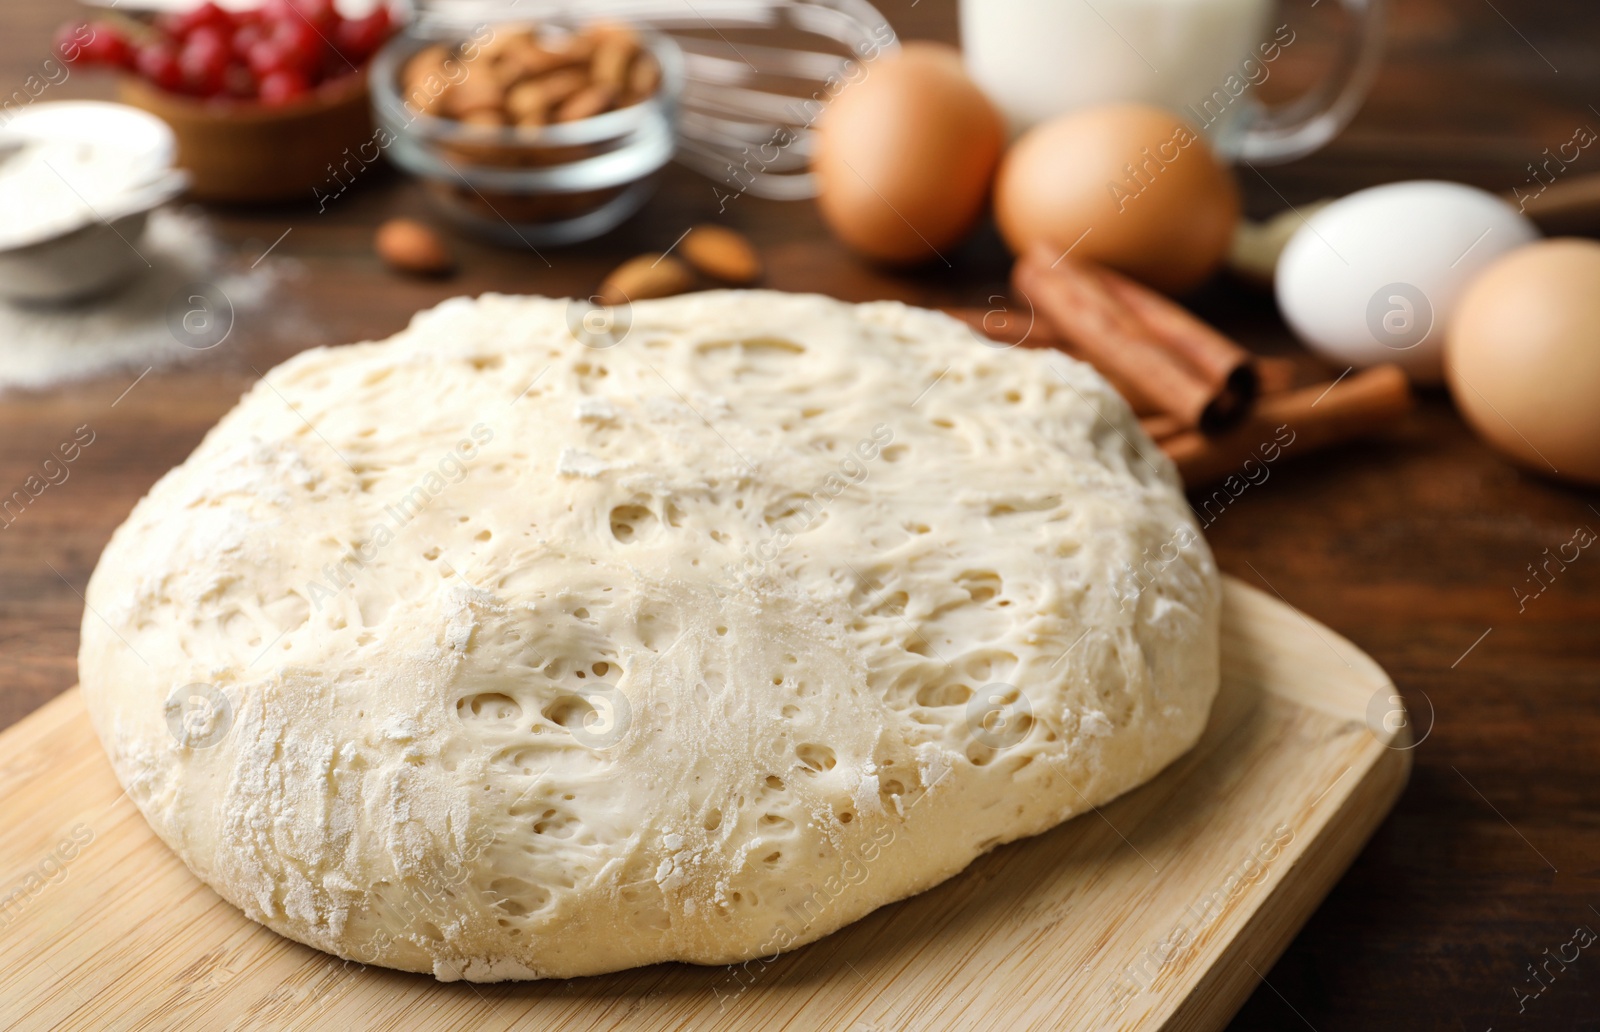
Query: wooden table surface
x=1411, y=546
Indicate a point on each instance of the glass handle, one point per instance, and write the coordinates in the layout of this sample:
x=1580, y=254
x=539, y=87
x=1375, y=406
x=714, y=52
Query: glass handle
x=1295, y=129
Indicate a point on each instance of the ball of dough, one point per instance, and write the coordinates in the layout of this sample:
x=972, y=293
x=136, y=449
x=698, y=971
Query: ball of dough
x=489, y=653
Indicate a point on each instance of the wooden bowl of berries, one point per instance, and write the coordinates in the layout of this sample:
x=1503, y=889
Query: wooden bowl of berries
x=264, y=102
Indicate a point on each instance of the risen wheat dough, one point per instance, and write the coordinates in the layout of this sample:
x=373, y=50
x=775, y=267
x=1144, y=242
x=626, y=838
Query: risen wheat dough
x=698, y=648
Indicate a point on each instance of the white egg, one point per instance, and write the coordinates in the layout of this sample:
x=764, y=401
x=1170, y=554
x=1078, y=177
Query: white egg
x=1374, y=276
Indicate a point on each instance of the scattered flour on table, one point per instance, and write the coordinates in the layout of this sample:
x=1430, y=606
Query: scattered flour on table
x=44, y=345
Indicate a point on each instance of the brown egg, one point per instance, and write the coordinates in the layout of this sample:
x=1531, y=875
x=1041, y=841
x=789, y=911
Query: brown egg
x=1127, y=185
x=905, y=156
x=1522, y=357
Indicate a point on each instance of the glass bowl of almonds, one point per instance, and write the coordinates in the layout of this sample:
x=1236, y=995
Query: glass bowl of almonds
x=531, y=134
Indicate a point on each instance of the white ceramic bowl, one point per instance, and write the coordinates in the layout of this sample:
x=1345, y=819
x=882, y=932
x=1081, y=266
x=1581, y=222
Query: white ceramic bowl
x=53, y=253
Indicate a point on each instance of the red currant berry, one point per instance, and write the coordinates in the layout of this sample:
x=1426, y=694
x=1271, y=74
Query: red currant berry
x=301, y=44
x=267, y=56
x=360, y=38
x=207, y=16
x=204, y=62
x=99, y=43
x=237, y=81
x=320, y=13
x=282, y=87
x=108, y=47
x=245, y=37
x=158, y=63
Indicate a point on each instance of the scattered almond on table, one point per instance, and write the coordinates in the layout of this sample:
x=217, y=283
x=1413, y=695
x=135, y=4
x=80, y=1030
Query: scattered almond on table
x=410, y=246
x=722, y=254
x=645, y=277
x=716, y=252
x=526, y=76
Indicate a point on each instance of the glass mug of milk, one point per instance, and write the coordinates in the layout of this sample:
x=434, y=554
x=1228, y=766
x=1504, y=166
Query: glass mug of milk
x=1200, y=58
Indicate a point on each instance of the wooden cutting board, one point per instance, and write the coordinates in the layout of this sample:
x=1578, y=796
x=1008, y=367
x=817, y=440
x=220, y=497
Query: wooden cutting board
x=1160, y=911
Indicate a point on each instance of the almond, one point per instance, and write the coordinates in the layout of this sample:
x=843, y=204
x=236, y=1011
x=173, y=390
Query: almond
x=428, y=61
x=526, y=102
x=558, y=86
x=425, y=102
x=477, y=92
x=587, y=102
x=530, y=101
x=721, y=253
x=643, y=77
x=528, y=77
x=410, y=246
x=611, y=56
x=534, y=60
x=423, y=82
x=506, y=41
x=576, y=47
x=644, y=277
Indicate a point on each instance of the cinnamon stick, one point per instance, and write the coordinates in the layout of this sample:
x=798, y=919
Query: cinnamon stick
x=1225, y=367
x=1161, y=426
x=1294, y=422
x=1136, y=337
x=1276, y=375
x=1108, y=335
x=1002, y=325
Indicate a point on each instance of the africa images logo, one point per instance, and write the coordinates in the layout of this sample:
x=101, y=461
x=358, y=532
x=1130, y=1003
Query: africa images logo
x=198, y=715
x=1399, y=316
